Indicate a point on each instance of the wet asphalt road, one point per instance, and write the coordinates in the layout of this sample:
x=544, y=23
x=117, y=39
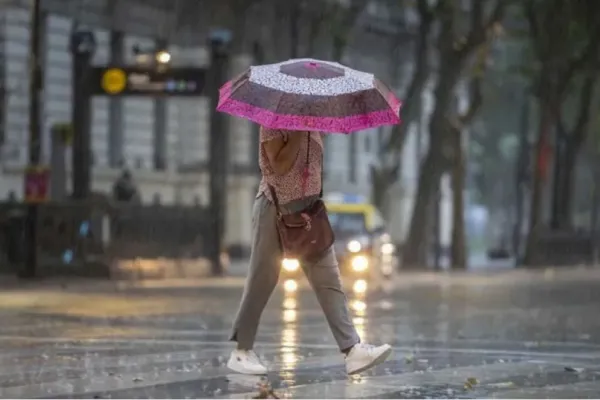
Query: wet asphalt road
x=511, y=334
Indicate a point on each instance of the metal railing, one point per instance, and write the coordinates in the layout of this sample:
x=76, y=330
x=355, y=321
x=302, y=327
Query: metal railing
x=110, y=240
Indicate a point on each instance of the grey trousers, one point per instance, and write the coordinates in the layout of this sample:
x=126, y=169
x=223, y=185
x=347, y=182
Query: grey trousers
x=263, y=274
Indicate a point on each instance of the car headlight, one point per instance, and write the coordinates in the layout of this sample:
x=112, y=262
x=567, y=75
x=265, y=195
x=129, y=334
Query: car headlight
x=360, y=263
x=359, y=286
x=290, y=264
x=354, y=246
x=290, y=285
x=387, y=248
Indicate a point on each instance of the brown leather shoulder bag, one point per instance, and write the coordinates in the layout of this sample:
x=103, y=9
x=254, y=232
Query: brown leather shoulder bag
x=307, y=234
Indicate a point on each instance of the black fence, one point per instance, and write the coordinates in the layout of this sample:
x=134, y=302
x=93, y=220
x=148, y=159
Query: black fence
x=110, y=240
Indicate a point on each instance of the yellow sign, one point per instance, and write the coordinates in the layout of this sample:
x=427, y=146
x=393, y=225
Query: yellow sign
x=114, y=81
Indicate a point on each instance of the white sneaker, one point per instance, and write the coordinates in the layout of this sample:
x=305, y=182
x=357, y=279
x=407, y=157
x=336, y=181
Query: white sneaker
x=246, y=362
x=364, y=356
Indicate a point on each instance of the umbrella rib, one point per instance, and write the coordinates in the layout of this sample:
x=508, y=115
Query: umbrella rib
x=235, y=89
x=279, y=100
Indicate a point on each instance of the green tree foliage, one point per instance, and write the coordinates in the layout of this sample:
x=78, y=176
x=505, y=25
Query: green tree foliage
x=558, y=56
x=460, y=37
x=386, y=174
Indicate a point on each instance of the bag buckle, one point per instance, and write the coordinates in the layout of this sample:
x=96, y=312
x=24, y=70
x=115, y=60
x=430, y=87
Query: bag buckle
x=307, y=219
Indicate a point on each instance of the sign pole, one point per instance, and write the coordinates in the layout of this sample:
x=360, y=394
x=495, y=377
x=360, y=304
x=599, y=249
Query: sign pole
x=83, y=45
x=219, y=146
x=29, y=269
x=160, y=126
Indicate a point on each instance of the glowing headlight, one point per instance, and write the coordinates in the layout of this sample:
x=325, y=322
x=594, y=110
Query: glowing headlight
x=360, y=286
x=290, y=264
x=354, y=246
x=387, y=248
x=358, y=305
x=290, y=285
x=360, y=263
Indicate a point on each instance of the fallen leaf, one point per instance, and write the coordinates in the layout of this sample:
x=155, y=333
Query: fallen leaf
x=266, y=394
x=265, y=391
x=470, y=383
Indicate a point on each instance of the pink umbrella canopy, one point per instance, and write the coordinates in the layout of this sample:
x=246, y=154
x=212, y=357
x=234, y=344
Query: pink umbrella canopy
x=308, y=94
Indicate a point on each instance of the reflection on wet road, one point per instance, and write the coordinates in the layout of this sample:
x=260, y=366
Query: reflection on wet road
x=508, y=335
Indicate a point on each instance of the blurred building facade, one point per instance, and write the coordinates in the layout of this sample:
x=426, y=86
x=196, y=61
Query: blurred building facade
x=123, y=128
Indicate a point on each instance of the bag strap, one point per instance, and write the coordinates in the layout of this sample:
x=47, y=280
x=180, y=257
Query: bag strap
x=275, y=201
x=305, y=171
x=322, y=172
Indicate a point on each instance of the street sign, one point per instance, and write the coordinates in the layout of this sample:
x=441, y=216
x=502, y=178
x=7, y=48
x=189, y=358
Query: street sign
x=147, y=81
x=37, y=184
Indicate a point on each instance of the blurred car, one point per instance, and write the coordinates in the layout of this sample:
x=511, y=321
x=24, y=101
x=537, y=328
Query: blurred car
x=362, y=246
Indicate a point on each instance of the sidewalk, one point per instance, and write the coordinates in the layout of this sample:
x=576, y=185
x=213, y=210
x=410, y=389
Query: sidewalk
x=236, y=277
x=235, y=272
x=97, y=285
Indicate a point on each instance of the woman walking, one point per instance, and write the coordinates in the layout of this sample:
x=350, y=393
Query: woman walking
x=291, y=164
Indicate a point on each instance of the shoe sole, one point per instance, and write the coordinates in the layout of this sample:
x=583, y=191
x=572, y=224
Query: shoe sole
x=382, y=357
x=246, y=380
x=246, y=372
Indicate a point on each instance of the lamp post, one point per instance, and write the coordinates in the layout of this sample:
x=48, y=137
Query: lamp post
x=158, y=58
x=29, y=268
x=163, y=57
x=219, y=42
x=82, y=47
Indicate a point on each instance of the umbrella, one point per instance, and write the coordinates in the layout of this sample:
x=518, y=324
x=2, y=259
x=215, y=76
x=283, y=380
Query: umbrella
x=309, y=94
